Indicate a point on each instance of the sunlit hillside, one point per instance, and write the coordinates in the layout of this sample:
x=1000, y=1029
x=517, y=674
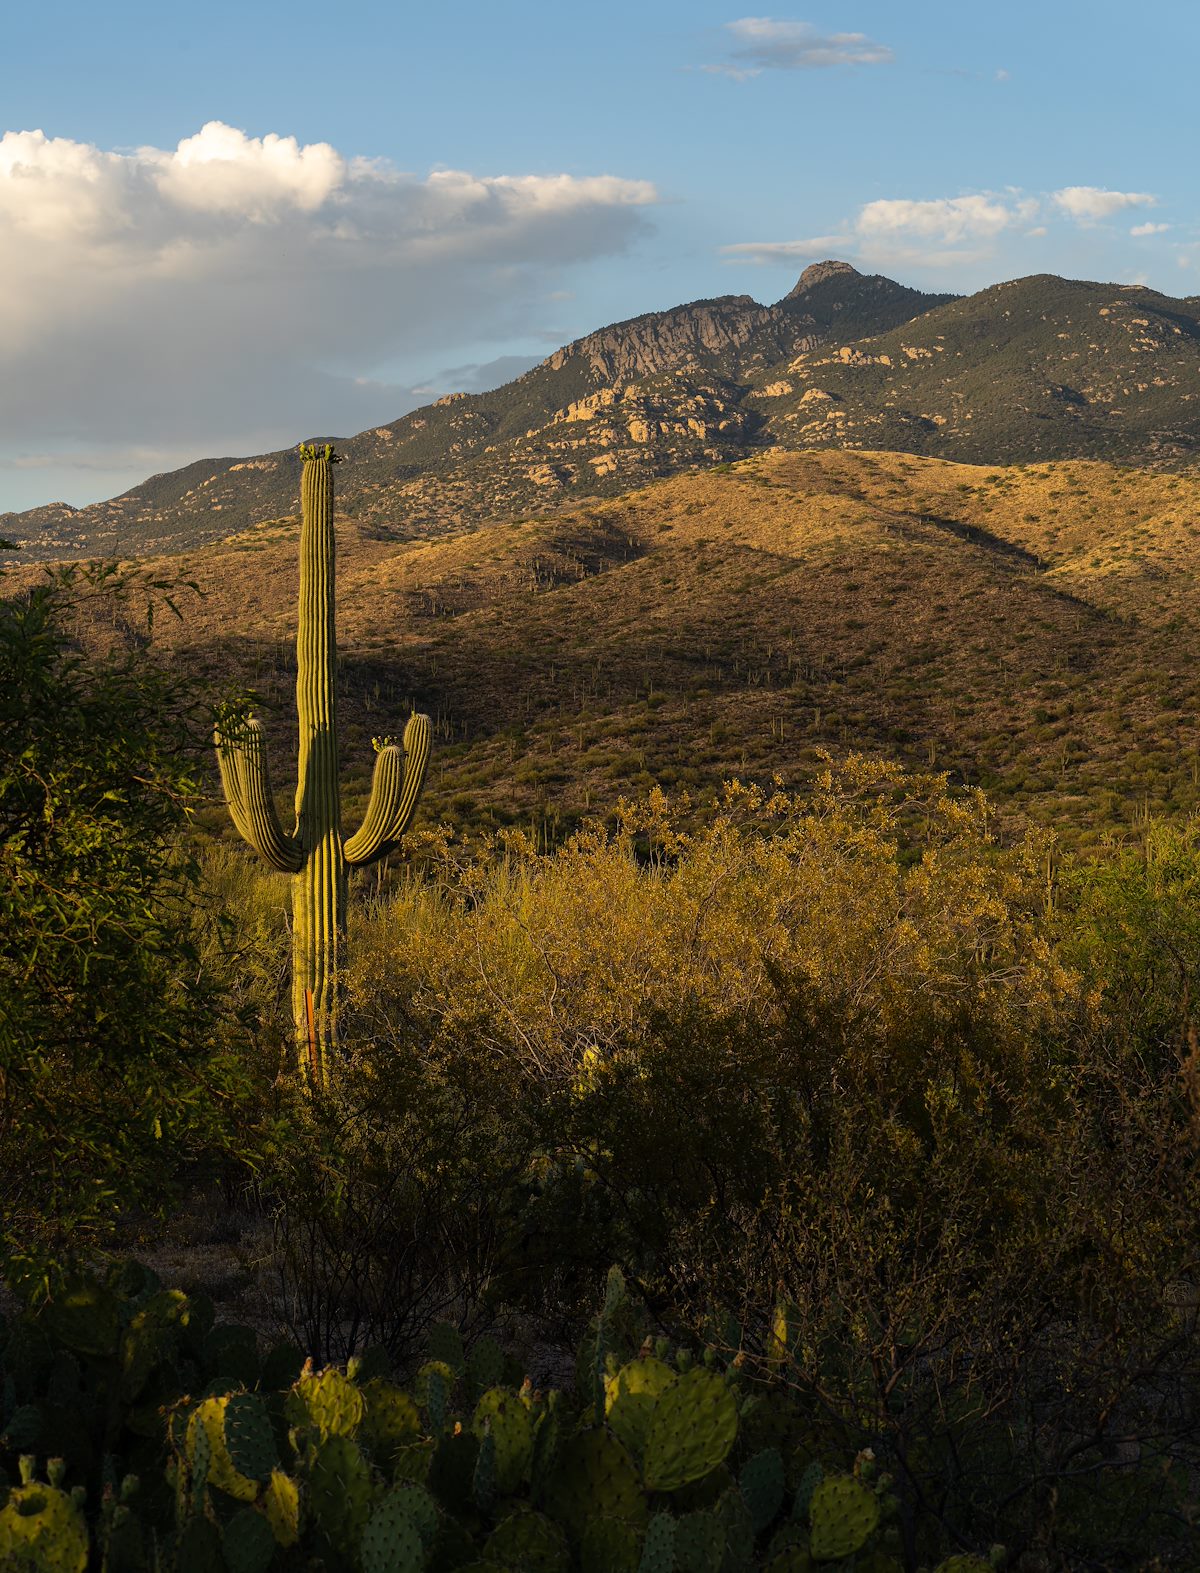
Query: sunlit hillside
x=1028, y=629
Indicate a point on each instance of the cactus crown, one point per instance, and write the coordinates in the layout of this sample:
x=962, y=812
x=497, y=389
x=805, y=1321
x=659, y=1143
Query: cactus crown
x=309, y=450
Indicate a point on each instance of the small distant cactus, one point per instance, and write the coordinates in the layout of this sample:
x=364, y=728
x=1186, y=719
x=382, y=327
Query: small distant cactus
x=315, y=852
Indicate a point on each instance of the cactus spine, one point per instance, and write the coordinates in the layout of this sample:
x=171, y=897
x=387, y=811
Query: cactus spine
x=316, y=853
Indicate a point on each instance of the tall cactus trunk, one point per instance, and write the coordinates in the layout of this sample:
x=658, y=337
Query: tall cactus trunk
x=319, y=889
x=316, y=853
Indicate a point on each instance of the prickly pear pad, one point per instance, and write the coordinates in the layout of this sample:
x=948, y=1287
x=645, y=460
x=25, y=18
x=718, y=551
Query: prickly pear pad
x=629, y=1399
x=328, y=1401
x=501, y=1413
x=249, y=1439
x=658, y=1548
x=40, y=1527
x=391, y=1420
x=391, y=1542
x=416, y=1504
x=341, y=1491
x=529, y=1541
x=691, y=1430
x=792, y=1559
x=761, y=1482
x=610, y=1545
x=595, y=1474
x=842, y=1516
x=248, y=1542
x=209, y=1417
x=699, y=1543
x=281, y=1505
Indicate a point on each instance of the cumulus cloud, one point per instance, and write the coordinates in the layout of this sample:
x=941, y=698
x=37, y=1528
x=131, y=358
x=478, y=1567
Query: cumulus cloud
x=240, y=290
x=765, y=44
x=943, y=232
x=1090, y=204
x=944, y=219
x=936, y=232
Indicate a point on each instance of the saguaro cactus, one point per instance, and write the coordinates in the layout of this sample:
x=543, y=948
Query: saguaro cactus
x=315, y=852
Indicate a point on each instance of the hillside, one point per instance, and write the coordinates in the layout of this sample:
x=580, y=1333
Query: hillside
x=1027, y=629
x=1039, y=368
x=667, y=385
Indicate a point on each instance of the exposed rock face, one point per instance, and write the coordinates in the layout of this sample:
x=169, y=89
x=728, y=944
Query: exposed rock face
x=663, y=340
x=817, y=273
x=1033, y=368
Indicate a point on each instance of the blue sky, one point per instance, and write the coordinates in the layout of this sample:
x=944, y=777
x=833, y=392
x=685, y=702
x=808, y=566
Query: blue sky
x=272, y=222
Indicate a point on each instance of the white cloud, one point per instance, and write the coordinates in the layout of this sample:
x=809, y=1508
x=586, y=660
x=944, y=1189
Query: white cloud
x=944, y=219
x=938, y=232
x=246, y=290
x=763, y=251
x=1090, y=204
x=765, y=44
x=943, y=232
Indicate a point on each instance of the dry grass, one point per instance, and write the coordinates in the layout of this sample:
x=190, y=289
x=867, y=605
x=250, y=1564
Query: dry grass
x=1028, y=628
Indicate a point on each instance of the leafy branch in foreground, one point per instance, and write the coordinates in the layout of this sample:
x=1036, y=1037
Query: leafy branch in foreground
x=112, y=1062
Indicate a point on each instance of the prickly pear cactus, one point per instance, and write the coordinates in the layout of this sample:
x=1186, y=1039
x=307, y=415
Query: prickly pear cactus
x=762, y=1484
x=391, y=1419
x=502, y=1416
x=247, y=1543
x=658, y=1547
x=249, y=1439
x=630, y=1397
x=341, y=1490
x=595, y=1475
x=699, y=1543
x=327, y=1401
x=392, y=1541
x=842, y=1517
x=610, y=1545
x=281, y=1508
x=209, y=1456
x=528, y=1540
x=42, y=1527
x=692, y=1428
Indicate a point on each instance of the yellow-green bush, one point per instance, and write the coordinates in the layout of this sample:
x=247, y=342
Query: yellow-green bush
x=840, y=1063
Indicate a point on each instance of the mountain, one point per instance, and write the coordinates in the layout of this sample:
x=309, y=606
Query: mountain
x=667, y=387
x=1038, y=368
x=1030, y=629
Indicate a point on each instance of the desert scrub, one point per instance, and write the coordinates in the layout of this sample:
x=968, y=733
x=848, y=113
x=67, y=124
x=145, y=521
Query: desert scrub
x=844, y=1050
x=122, y=1060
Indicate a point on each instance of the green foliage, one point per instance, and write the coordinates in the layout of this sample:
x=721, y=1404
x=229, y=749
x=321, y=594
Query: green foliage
x=846, y=1055
x=113, y=1062
x=245, y=1478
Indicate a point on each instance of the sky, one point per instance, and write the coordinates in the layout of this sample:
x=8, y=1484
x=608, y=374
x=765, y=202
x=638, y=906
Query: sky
x=225, y=231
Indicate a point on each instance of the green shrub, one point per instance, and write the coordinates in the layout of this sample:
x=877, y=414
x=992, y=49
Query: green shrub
x=117, y=1064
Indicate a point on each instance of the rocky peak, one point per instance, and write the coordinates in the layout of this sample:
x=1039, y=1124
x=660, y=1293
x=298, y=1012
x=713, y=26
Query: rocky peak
x=817, y=273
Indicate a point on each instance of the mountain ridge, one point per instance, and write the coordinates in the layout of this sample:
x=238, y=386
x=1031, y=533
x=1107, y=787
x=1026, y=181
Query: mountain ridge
x=1028, y=369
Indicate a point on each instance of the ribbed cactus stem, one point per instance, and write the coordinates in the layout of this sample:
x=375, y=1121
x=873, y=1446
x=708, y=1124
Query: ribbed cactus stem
x=319, y=890
x=315, y=852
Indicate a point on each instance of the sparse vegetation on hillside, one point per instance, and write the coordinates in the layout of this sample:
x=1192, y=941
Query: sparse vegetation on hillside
x=1025, y=628
x=1034, y=369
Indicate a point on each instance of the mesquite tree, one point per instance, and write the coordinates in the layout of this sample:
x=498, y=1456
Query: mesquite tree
x=316, y=853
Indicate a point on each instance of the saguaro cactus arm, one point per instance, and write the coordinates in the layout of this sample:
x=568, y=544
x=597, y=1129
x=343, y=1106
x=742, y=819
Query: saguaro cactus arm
x=247, y=785
x=395, y=791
